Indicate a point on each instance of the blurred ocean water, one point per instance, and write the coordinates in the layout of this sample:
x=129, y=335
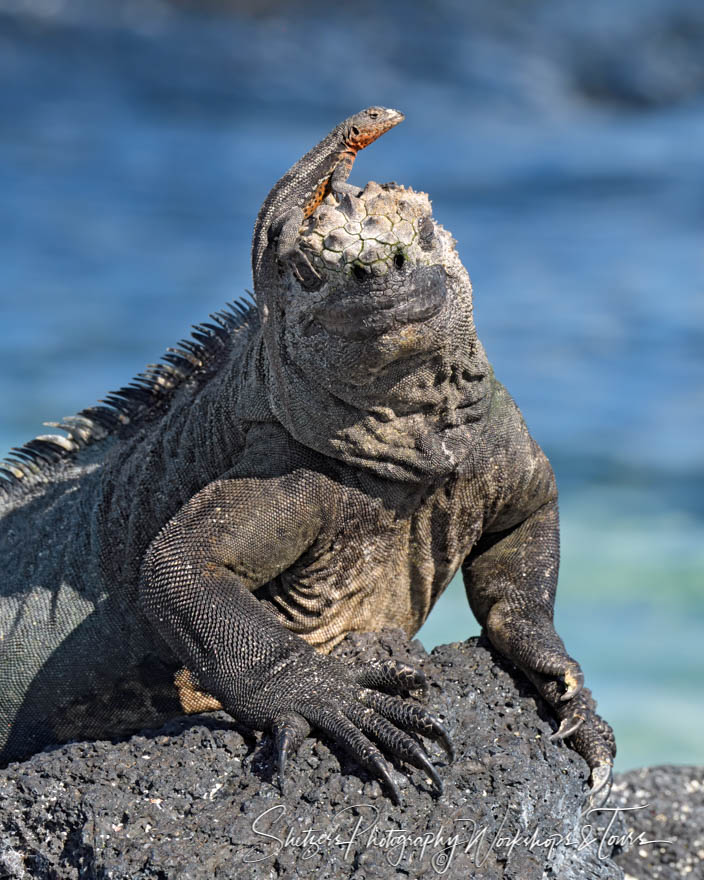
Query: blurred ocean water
x=562, y=145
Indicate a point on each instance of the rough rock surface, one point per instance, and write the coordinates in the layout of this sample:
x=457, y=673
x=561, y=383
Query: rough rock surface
x=191, y=800
x=662, y=804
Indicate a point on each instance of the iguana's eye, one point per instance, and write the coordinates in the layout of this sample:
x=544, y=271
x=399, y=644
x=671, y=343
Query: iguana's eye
x=373, y=114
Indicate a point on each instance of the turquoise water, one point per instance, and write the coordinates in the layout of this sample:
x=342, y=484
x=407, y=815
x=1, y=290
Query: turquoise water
x=562, y=145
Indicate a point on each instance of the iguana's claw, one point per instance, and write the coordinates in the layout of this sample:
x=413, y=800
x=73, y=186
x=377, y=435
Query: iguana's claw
x=601, y=781
x=445, y=742
x=383, y=769
x=375, y=723
x=575, y=711
x=438, y=732
x=289, y=732
x=592, y=738
x=567, y=727
x=574, y=679
x=433, y=775
x=398, y=677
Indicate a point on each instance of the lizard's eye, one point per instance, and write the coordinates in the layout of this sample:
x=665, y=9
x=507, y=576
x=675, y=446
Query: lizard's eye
x=373, y=114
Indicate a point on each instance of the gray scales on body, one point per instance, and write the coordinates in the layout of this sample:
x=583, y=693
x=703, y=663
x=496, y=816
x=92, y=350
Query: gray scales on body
x=319, y=463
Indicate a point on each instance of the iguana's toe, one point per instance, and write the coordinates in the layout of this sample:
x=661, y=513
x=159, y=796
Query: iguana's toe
x=383, y=769
x=561, y=685
x=392, y=676
x=561, y=678
x=311, y=690
x=530, y=641
x=394, y=740
x=410, y=716
x=578, y=721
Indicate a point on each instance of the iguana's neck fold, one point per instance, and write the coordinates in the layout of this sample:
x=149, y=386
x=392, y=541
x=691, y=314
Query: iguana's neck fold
x=423, y=433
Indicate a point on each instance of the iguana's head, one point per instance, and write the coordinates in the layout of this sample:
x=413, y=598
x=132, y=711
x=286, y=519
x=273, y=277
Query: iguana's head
x=370, y=331
x=376, y=282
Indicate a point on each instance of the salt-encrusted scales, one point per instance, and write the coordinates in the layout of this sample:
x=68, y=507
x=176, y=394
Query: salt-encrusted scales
x=370, y=232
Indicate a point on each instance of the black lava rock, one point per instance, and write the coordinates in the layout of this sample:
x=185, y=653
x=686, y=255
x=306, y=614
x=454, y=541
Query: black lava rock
x=661, y=804
x=198, y=798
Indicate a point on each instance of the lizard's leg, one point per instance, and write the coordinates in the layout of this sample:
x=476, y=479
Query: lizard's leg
x=285, y=231
x=338, y=180
x=196, y=590
x=285, y=228
x=511, y=579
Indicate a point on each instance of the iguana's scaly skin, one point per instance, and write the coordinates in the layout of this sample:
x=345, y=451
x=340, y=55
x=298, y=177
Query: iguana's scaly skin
x=322, y=467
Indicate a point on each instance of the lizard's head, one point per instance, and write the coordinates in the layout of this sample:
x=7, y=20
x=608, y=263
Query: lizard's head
x=375, y=281
x=366, y=126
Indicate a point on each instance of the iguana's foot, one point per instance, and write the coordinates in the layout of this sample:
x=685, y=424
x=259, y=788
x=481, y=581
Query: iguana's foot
x=345, y=702
x=589, y=734
x=530, y=641
x=592, y=737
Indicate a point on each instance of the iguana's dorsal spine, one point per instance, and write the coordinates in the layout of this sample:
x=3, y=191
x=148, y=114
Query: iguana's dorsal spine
x=36, y=460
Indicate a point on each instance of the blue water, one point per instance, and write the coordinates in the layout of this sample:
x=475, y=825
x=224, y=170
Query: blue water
x=561, y=143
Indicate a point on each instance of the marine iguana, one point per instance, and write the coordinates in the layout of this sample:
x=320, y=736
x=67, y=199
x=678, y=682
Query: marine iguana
x=320, y=462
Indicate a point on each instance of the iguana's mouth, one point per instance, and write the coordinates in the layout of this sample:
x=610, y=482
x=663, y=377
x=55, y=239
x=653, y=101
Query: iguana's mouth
x=376, y=312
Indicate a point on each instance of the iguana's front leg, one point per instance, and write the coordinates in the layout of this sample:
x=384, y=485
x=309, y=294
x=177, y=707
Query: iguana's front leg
x=197, y=578
x=511, y=579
